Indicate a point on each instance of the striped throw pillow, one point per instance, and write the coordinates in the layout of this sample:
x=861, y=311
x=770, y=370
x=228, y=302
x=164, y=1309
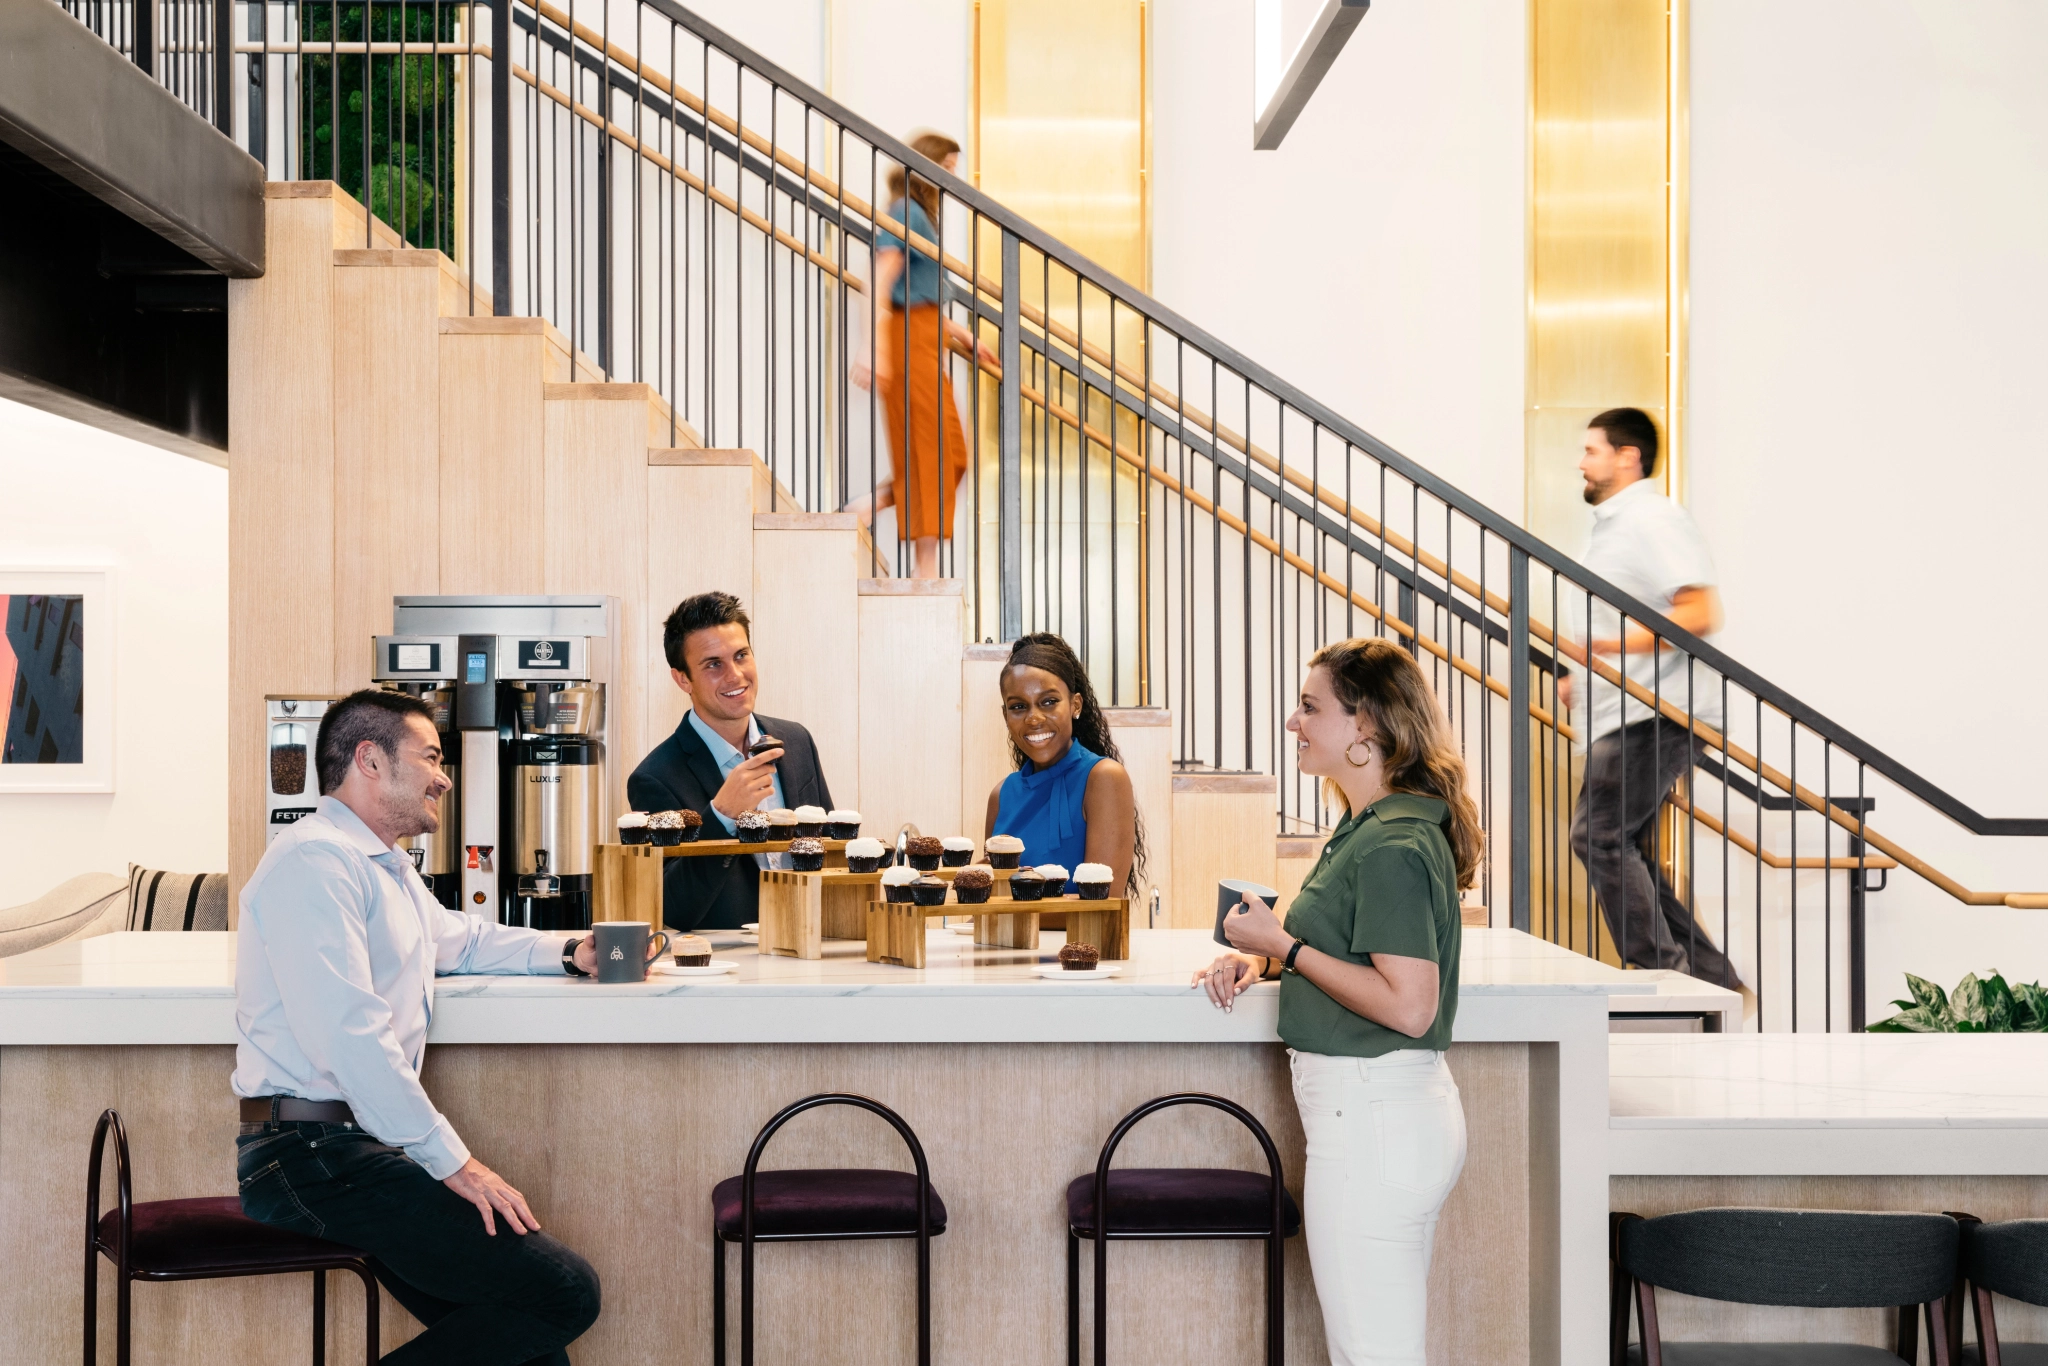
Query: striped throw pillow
x=176, y=901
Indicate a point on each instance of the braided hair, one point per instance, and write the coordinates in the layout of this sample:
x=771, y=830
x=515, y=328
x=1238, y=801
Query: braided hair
x=1048, y=651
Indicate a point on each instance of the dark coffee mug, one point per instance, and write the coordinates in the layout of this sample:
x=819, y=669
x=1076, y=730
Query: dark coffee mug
x=1230, y=892
x=625, y=948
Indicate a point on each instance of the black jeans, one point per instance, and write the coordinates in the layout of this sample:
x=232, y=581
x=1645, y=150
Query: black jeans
x=500, y=1300
x=1628, y=773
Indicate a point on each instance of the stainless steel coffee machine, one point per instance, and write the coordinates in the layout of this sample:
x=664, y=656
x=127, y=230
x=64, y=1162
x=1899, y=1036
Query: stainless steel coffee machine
x=526, y=678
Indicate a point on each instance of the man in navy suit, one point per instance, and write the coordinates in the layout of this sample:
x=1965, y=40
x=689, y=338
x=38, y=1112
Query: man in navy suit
x=705, y=766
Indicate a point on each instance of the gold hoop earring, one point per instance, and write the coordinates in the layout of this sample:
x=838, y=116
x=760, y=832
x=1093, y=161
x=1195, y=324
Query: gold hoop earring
x=1358, y=763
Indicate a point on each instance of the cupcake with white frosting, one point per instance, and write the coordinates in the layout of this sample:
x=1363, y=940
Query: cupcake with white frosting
x=864, y=855
x=1003, y=850
x=842, y=825
x=956, y=851
x=810, y=822
x=633, y=828
x=781, y=824
x=1091, y=880
x=1055, y=875
x=896, y=884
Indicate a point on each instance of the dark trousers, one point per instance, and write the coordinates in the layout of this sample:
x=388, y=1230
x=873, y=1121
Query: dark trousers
x=501, y=1301
x=1628, y=773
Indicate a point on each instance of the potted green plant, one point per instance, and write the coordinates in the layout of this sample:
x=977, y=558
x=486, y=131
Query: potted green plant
x=1984, y=1005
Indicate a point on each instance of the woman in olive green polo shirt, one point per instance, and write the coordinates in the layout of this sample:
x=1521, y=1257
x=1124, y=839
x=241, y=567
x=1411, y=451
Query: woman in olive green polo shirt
x=1368, y=968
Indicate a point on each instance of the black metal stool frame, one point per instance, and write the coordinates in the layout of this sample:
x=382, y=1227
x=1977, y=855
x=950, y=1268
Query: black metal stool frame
x=1275, y=1238
x=748, y=1238
x=94, y=1248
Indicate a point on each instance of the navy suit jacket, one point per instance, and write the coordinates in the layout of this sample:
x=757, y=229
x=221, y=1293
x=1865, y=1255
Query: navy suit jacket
x=720, y=892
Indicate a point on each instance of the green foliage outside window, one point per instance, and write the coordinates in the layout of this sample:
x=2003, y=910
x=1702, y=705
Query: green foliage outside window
x=411, y=106
x=1976, y=1006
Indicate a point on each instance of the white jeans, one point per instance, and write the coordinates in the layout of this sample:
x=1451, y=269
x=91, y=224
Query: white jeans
x=1386, y=1142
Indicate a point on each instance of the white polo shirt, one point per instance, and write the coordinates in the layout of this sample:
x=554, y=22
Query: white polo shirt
x=1648, y=546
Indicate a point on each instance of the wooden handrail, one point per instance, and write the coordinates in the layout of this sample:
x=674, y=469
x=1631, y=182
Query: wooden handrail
x=1747, y=845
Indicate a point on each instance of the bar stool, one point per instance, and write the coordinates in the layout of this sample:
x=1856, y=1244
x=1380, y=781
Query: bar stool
x=1172, y=1203
x=837, y=1205
x=197, y=1240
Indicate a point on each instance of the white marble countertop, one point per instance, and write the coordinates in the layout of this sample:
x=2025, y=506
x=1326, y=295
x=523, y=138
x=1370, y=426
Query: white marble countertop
x=1755, y=1104
x=179, y=988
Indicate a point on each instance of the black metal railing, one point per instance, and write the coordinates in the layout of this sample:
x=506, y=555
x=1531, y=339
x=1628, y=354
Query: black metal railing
x=188, y=45
x=694, y=217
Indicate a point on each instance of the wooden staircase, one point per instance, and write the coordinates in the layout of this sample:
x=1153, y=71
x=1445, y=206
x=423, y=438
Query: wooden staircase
x=391, y=439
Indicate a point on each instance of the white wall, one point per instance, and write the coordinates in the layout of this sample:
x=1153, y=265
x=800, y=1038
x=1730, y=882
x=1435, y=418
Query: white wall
x=77, y=495
x=1869, y=278
x=1374, y=261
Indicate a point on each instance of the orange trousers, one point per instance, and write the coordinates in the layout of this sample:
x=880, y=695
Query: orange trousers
x=928, y=472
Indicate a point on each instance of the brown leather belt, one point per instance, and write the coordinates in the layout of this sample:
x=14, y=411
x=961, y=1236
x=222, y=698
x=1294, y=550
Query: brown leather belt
x=290, y=1109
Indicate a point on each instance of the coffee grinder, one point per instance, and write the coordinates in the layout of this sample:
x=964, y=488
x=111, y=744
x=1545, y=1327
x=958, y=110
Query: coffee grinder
x=291, y=725
x=527, y=678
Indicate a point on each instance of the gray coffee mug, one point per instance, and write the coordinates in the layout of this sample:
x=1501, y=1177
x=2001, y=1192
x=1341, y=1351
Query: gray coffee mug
x=622, y=949
x=1230, y=892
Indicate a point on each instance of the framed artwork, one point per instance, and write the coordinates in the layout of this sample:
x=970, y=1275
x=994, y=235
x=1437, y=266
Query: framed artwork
x=56, y=680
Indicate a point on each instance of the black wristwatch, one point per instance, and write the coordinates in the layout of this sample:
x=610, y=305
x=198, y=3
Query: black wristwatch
x=569, y=957
x=1292, y=953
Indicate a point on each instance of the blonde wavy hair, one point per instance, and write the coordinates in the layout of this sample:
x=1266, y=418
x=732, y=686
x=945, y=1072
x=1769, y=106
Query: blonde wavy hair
x=1381, y=680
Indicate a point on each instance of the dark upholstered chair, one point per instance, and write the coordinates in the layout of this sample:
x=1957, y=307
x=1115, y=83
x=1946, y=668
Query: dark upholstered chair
x=196, y=1240
x=1823, y=1259
x=821, y=1206
x=2009, y=1259
x=1167, y=1203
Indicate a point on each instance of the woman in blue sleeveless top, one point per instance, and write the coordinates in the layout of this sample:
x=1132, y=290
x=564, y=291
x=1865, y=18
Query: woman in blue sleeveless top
x=1070, y=799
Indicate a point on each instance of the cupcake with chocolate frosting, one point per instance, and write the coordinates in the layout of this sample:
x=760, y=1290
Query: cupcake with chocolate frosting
x=1079, y=957
x=896, y=884
x=924, y=852
x=1091, y=880
x=633, y=828
x=929, y=891
x=972, y=884
x=806, y=855
x=1026, y=884
x=810, y=822
x=842, y=825
x=1003, y=850
x=864, y=855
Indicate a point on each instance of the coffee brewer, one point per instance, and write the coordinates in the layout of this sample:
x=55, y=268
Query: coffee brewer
x=526, y=678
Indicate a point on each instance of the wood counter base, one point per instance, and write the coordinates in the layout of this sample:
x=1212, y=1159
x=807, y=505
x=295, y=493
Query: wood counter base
x=617, y=1148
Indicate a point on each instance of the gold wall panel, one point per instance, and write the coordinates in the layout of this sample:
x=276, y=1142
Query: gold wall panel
x=1061, y=122
x=1606, y=260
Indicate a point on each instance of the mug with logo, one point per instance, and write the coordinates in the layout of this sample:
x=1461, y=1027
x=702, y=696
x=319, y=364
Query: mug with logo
x=625, y=948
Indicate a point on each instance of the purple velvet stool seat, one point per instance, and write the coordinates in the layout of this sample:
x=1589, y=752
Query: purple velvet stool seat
x=1172, y=1203
x=836, y=1203
x=1181, y=1202
x=830, y=1205
x=207, y=1238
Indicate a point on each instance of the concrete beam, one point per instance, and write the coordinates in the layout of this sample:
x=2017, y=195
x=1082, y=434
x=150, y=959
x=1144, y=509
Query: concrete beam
x=79, y=107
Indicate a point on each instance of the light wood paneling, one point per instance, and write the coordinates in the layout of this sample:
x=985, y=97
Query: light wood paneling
x=1144, y=735
x=594, y=534
x=700, y=537
x=492, y=370
x=1005, y=1127
x=910, y=707
x=387, y=467
x=984, y=740
x=1222, y=827
x=1294, y=856
x=280, y=495
x=807, y=638
x=1682, y=1318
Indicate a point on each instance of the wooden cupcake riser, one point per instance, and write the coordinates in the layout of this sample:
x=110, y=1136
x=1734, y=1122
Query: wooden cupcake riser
x=799, y=911
x=896, y=932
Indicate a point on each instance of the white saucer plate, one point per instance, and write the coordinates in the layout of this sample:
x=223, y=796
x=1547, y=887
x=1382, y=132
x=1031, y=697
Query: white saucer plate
x=1053, y=972
x=715, y=968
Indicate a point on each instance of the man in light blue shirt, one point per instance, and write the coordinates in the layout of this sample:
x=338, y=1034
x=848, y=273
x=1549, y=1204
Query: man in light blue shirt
x=335, y=959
